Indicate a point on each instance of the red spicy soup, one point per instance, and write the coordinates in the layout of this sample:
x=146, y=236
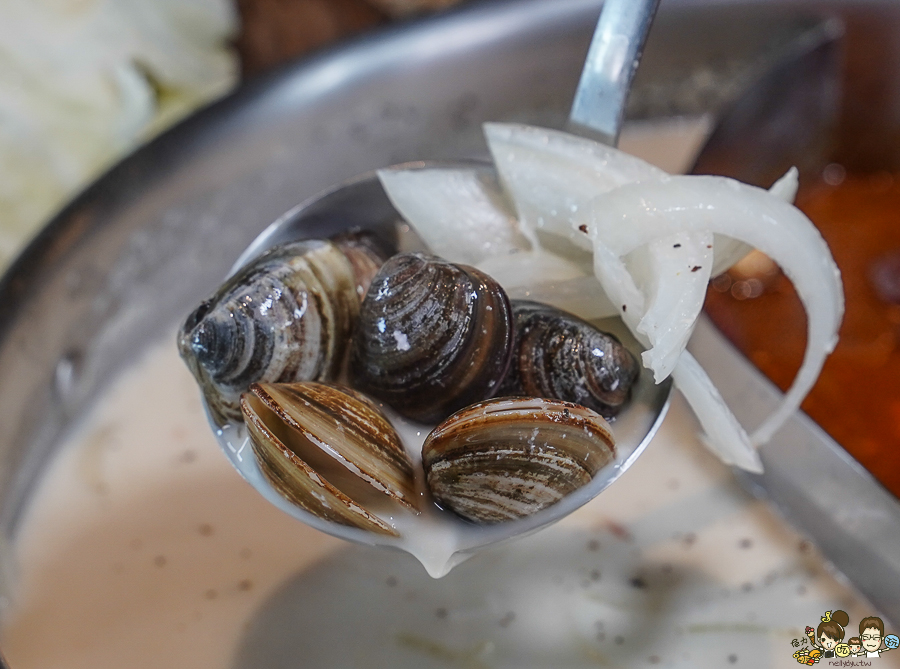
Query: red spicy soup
x=857, y=397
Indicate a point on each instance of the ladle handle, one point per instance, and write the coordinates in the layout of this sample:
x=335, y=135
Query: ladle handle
x=612, y=59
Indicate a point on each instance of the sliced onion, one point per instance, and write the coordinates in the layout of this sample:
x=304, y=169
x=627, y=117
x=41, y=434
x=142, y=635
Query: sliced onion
x=551, y=279
x=461, y=214
x=620, y=287
x=723, y=435
x=676, y=294
x=551, y=175
x=634, y=215
x=728, y=251
x=681, y=264
x=786, y=187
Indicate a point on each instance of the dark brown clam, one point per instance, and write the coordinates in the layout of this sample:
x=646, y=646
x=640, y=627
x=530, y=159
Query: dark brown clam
x=329, y=450
x=286, y=316
x=558, y=355
x=432, y=337
x=508, y=458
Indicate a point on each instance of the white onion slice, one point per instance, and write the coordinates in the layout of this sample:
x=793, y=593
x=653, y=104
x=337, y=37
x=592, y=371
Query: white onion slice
x=551, y=279
x=619, y=285
x=676, y=286
x=723, y=435
x=551, y=175
x=728, y=251
x=634, y=215
x=461, y=214
x=676, y=295
x=786, y=187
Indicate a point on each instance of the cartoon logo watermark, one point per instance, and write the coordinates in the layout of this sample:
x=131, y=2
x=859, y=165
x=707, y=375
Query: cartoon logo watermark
x=826, y=642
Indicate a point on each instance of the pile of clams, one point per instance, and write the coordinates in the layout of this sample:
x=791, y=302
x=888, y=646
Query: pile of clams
x=322, y=348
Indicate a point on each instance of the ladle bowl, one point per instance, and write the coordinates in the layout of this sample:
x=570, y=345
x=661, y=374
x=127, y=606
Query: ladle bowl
x=361, y=203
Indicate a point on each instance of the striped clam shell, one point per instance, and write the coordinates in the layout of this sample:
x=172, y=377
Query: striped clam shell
x=330, y=451
x=507, y=458
x=558, y=355
x=286, y=316
x=432, y=337
x=366, y=253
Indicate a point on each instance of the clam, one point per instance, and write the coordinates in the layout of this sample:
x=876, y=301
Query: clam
x=286, y=316
x=508, y=458
x=330, y=451
x=558, y=355
x=431, y=338
x=366, y=254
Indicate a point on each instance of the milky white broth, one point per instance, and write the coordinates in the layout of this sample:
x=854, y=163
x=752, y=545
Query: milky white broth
x=142, y=547
x=438, y=538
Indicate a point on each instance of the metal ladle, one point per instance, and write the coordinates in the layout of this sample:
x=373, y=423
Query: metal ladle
x=597, y=112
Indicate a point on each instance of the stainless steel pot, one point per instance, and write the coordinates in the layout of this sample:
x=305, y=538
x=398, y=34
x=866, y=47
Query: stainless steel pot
x=135, y=251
